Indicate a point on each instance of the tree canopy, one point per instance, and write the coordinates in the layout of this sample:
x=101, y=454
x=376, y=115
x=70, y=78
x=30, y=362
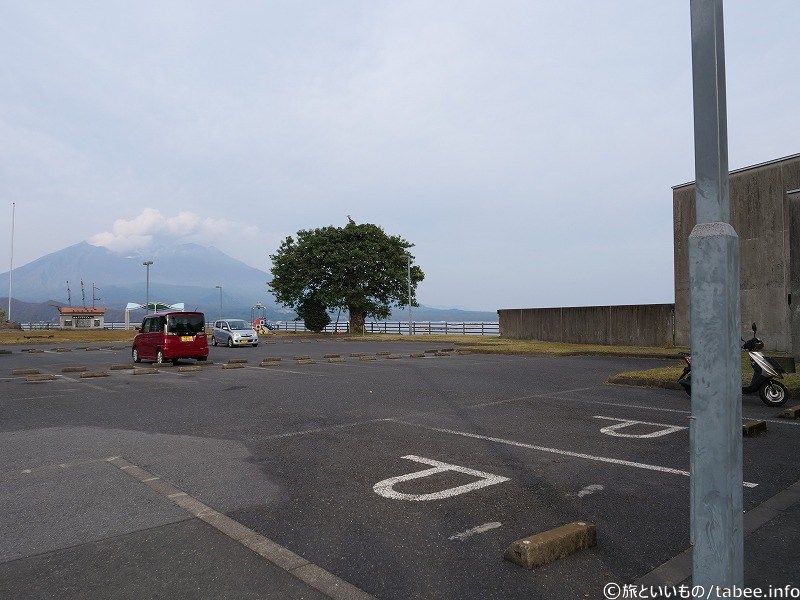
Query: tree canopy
x=357, y=268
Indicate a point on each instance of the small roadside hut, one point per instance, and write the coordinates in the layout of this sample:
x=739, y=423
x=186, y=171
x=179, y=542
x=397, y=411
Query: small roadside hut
x=78, y=317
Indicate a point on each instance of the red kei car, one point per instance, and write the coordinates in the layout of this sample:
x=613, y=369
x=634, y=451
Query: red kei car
x=171, y=336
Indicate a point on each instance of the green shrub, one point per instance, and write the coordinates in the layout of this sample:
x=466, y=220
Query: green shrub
x=314, y=313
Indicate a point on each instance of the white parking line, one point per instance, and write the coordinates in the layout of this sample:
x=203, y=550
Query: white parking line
x=386, y=489
x=613, y=430
x=275, y=370
x=475, y=530
x=65, y=395
x=614, y=461
x=87, y=384
x=672, y=410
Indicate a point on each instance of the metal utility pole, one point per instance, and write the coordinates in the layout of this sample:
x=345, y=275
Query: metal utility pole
x=147, y=264
x=11, y=264
x=220, y=300
x=69, y=295
x=409, y=294
x=94, y=289
x=716, y=431
x=83, y=294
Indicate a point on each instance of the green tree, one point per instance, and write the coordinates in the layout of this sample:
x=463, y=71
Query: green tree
x=2, y=315
x=357, y=268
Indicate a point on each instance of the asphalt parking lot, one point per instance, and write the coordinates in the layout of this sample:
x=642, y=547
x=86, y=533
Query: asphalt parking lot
x=315, y=459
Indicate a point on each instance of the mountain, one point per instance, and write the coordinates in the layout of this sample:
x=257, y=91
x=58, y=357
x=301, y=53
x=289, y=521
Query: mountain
x=187, y=273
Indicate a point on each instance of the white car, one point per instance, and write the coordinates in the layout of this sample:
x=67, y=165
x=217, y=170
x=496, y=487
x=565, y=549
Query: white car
x=233, y=332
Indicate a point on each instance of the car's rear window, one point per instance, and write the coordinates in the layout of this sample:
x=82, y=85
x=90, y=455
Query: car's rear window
x=186, y=324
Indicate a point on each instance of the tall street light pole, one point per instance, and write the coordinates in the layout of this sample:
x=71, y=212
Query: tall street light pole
x=716, y=425
x=409, y=294
x=219, y=287
x=147, y=264
x=11, y=265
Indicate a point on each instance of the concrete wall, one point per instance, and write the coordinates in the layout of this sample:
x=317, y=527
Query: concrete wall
x=634, y=325
x=794, y=270
x=761, y=216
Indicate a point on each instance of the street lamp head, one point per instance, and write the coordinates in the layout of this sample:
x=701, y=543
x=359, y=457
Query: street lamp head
x=219, y=287
x=147, y=263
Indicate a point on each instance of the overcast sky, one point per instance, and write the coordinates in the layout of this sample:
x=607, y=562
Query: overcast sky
x=526, y=148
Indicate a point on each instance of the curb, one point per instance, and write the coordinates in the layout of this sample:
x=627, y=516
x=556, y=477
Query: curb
x=75, y=369
x=678, y=569
x=646, y=383
x=25, y=371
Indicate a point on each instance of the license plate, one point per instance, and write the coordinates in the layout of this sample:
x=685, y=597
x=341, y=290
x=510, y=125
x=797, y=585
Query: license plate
x=245, y=341
x=186, y=338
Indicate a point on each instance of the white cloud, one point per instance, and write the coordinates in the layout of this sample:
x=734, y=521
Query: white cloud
x=151, y=228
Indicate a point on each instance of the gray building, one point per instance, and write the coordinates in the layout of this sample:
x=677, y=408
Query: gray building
x=765, y=212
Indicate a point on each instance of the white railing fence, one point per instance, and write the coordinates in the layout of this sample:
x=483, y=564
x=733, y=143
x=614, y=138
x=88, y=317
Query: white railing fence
x=403, y=328
x=394, y=327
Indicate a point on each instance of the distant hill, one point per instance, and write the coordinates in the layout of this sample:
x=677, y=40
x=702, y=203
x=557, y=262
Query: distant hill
x=187, y=273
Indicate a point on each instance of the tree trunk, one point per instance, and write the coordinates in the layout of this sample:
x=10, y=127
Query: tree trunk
x=357, y=318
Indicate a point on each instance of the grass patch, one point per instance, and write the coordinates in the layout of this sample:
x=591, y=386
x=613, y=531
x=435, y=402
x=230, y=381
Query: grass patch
x=667, y=377
x=57, y=336
x=495, y=345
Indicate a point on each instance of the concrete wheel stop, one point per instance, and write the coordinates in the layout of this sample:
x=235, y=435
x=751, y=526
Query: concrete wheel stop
x=90, y=374
x=40, y=377
x=145, y=371
x=753, y=427
x=793, y=412
x=548, y=546
x=25, y=371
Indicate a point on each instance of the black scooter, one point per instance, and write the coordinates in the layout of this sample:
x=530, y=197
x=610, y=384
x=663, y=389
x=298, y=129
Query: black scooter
x=765, y=374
